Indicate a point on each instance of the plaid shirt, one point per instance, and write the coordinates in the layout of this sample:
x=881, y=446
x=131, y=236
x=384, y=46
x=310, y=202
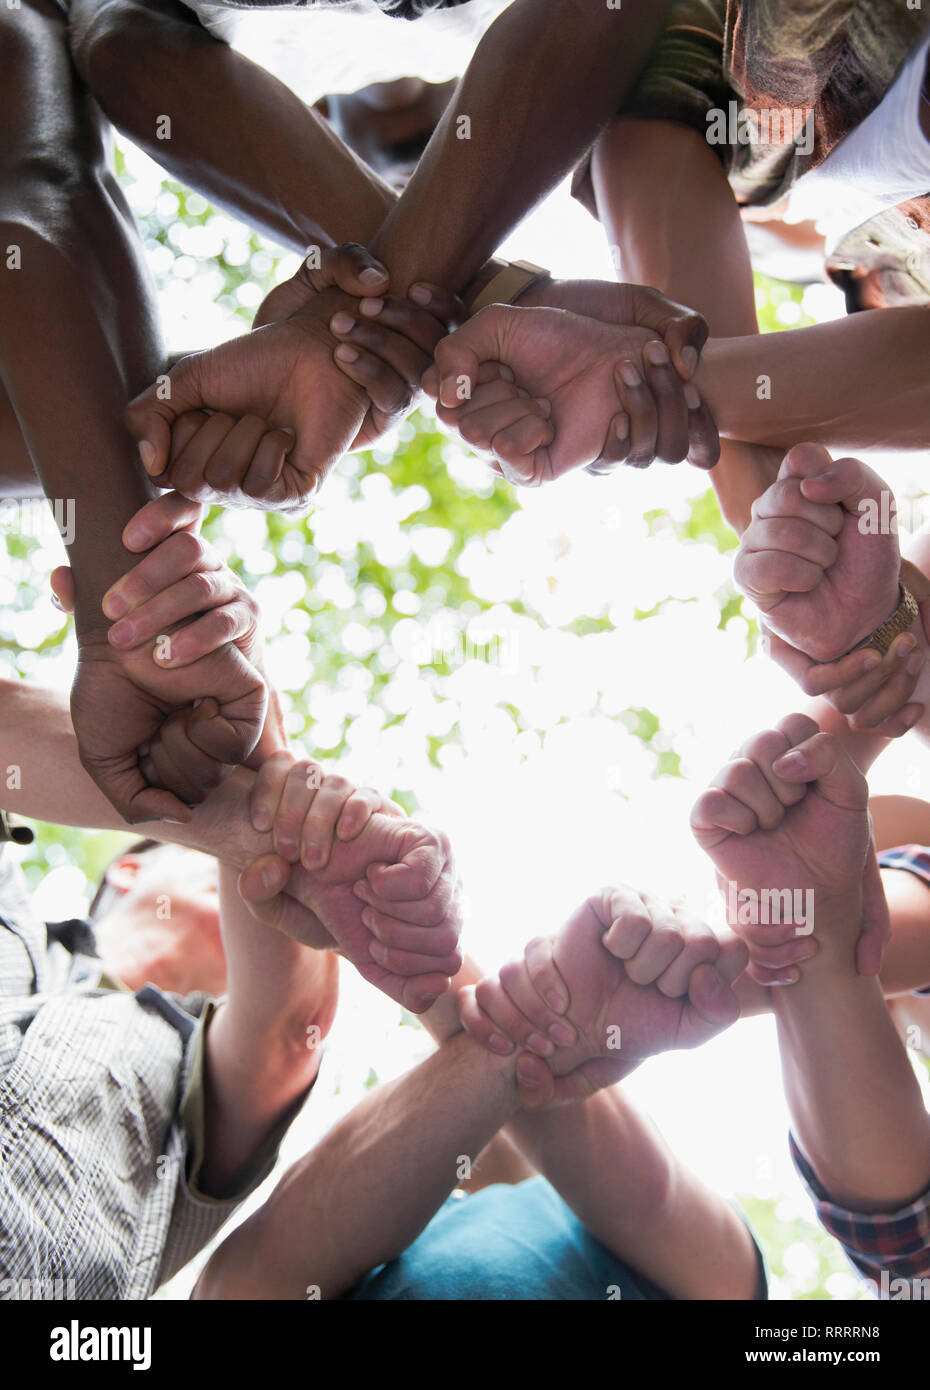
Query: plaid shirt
x=885, y=1246
x=98, y=1197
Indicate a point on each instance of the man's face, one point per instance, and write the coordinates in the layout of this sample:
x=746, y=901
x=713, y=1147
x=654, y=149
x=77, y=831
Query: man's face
x=389, y=124
x=167, y=899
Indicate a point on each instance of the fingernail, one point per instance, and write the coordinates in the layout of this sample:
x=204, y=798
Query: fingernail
x=121, y=634
x=561, y=1033
x=344, y=353
x=689, y=357
x=372, y=276
x=260, y=818
x=269, y=876
x=313, y=855
x=621, y=427
x=56, y=601
x=420, y=294
x=500, y=1044
x=147, y=455
x=657, y=354
x=556, y=1001
x=287, y=849
x=377, y=949
x=629, y=374
x=527, y=1078
x=538, y=1044
x=371, y=308
x=342, y=322
x=790, y=762
x=692, y=396
x=426, y=1001
x=115, y=604
x=871, y=660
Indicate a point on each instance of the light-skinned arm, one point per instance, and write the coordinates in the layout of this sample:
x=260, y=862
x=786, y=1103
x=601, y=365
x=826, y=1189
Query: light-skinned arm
x=615, y=1171
x=792, y=813
x=369, y=1188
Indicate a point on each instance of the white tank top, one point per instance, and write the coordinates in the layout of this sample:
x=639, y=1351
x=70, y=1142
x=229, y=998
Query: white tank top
x=883, y=162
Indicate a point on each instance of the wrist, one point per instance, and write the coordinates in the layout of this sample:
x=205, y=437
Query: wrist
x=837, y=928
x=220, y=826
x=481, y=281
x=718, y=358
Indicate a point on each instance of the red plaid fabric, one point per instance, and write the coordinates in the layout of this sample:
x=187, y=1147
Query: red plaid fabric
x=891, y=1249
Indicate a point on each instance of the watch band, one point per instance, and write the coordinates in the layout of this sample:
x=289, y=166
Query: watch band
x=901, y=619
x=508, y=284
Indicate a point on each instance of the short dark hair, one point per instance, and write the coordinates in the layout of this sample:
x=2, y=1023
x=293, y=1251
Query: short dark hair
x=101, y=902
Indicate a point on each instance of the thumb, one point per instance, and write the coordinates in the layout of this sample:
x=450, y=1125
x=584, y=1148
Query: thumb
x=846, y=481
x=712, y=1004
x=460, y=355
x=261, y=888
x=351, y=268
x=61, y=581
x=150, y=417
x=822, y=759
x=876, y=932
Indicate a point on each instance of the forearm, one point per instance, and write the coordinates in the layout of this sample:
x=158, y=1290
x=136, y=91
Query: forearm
x=682, y=233
x=41, y=778
x=261, y=1051
x=236, y=133
x=850, y=1086
x=559, y=73
x=855, y=383
x=368, y=1189
x=78, y=330
x=617, y=1174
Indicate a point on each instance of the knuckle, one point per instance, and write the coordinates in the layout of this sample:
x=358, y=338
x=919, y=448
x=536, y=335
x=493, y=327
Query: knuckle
x=335, y=782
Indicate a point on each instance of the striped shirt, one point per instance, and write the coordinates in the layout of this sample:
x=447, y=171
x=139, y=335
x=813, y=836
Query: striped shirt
x=100, y=1093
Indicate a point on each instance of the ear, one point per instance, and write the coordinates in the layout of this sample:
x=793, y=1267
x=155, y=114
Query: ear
x=122, y=873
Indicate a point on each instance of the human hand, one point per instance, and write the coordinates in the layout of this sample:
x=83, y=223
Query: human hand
x=579, y=366
x=809, y=560
x=182, y=604
x=683, y=330
x=123, y=706
x=280, y=409
x=624, y=979
x=306, y=807
x=874, y=692
x=789, y=815
x=387, y=901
